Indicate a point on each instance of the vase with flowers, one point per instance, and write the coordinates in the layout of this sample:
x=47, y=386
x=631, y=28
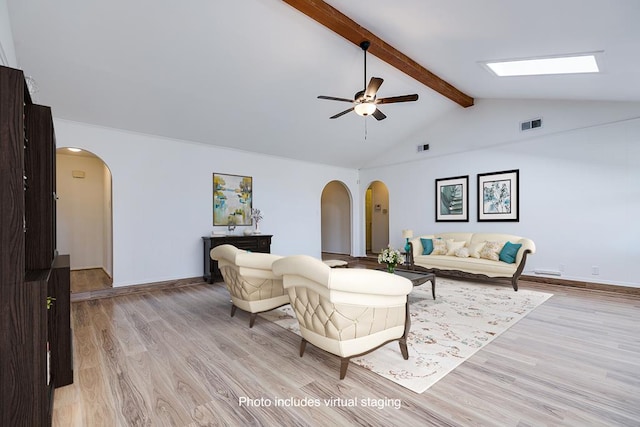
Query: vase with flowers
x=256, y=216
x=391, y=257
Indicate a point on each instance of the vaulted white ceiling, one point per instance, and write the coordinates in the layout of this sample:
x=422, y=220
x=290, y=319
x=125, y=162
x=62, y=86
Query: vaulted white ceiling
x=246, y=73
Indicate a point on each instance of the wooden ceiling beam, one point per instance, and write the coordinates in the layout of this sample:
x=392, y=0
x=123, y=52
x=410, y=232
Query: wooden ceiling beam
x=341, y=24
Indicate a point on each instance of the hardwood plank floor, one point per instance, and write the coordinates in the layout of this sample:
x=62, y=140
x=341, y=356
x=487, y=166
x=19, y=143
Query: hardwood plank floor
x=91, y=279
x=175, y=357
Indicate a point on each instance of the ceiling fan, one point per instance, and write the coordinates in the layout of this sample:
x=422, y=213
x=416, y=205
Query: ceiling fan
x=365, y=100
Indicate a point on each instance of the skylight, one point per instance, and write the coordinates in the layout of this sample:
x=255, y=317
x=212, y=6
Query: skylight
x=573, y=64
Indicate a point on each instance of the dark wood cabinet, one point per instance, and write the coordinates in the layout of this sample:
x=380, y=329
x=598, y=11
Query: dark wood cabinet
x=35, y=341
x=253, y=242
x=12, y=99
x=59, y=321
x=39, y=165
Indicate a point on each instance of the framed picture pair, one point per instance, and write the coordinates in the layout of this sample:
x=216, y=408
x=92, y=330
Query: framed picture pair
x=498, y=197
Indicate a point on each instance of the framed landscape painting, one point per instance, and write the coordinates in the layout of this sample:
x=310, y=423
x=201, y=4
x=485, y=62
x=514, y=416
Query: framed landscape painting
x=232, y=199
x=498, y=196
x=452, y=199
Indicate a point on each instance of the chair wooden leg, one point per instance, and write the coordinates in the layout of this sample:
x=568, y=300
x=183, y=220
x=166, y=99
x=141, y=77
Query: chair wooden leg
x=344, y=364
x=403, y=348
x=407, y=326
x=303, y=345
x=252, y=319
x=233, y=310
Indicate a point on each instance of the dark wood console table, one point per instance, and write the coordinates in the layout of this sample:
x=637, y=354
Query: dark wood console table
x=253, y=242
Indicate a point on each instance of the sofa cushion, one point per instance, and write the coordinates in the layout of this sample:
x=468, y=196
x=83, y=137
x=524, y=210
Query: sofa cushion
x=475, y=248
x=452, y=246
x=462, y=252
x=491, y=251
x=509, y=252
x=439, y=247
x=456, y=236
x=427, y=246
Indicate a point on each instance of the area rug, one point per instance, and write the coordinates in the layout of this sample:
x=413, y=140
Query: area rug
x=444, y=332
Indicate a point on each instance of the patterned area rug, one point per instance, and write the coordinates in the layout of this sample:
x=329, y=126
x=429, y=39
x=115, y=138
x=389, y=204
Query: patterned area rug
x=444, y=332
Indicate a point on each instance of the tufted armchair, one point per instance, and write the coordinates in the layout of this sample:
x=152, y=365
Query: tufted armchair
x=346, y=311
x=248, y=276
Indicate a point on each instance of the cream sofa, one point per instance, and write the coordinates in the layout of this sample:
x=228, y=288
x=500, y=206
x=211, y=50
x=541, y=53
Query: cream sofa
x=464, y=255
x=251, y=283
x=346, y=311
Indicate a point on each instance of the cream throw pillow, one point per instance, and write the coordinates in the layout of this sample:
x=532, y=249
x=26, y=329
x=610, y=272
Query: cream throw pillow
x=462, y=252
x=475, y=248
x=453, y=246
x=491, y=250
x=439, y=247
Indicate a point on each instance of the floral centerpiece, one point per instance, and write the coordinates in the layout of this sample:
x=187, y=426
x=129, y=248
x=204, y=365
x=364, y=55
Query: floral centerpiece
x=256, y=216
x=391, y=257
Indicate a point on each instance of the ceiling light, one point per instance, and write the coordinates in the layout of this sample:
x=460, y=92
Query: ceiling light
x=75, y=150
x=568, y=64
x=365, y=108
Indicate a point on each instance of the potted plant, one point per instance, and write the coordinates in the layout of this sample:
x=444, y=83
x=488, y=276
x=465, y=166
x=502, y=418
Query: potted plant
x=391, y=257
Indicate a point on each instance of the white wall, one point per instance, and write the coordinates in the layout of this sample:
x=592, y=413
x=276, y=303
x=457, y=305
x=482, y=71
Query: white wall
x=579, y=192
x=578, y=189
x=162, y=199
x=7, y=47
x=107, y=229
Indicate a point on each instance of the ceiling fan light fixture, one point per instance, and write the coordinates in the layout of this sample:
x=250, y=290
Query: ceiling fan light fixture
x=365, y=108
x=364, y=101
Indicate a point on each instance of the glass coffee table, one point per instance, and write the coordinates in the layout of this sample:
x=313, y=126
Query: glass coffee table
x=418, y=278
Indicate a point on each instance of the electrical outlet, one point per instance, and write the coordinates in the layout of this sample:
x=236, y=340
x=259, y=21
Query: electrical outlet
x=595, y=270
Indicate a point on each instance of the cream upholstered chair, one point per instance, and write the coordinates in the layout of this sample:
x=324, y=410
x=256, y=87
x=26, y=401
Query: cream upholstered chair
x=248, y=276
x=346, y=311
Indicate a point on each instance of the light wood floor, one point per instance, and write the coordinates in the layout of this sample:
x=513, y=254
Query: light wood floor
x=91, y=279
x=176, y=358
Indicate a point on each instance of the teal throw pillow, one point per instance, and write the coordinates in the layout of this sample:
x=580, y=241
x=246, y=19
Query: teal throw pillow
x=427, y=246
x=509, y=252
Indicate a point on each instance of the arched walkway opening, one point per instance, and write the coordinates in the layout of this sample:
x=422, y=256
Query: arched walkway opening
x=84, y=218
x=336, y=219
x=376, y=217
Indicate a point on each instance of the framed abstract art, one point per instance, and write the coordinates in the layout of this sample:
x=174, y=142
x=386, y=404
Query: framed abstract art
x=232, y=199
x=452, y=199
x=498, y=196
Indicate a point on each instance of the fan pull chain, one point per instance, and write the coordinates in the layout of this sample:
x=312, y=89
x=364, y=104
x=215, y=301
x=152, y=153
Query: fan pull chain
x=365, y=128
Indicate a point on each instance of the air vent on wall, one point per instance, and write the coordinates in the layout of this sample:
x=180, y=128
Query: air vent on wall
x=531, y=124
x=423, y=147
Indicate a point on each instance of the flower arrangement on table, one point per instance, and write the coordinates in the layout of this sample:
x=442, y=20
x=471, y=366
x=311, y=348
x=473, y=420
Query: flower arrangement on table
x=256, y=216
x=391, y=257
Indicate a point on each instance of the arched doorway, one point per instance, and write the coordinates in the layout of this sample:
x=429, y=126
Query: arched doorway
x=336, y=219
x=84, y=218
x=376, y=217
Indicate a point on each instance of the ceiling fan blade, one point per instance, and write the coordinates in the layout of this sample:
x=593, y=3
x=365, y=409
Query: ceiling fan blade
x=372, y=88
x=379, y=115
x=333, y=98
x=402, y=98
x=342, y=113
